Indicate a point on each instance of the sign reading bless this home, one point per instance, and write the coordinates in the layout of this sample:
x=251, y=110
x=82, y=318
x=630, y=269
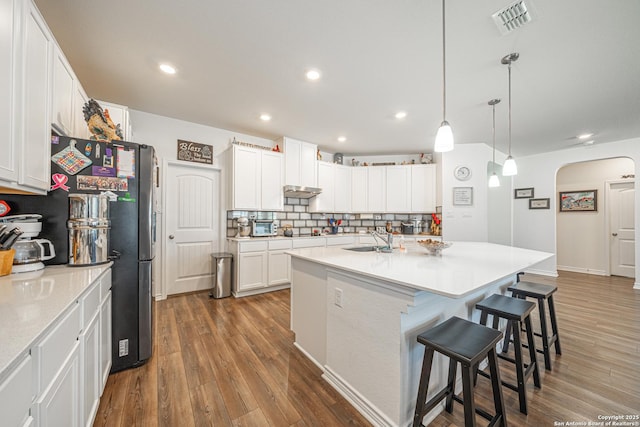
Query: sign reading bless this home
x=195, y=152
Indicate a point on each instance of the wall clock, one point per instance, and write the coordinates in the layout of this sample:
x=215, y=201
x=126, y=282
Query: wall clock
x=462, y=173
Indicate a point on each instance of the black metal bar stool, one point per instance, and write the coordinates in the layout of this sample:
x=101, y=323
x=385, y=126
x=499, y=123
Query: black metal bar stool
x=541, y=293
x=515, y=311
x=468, y=343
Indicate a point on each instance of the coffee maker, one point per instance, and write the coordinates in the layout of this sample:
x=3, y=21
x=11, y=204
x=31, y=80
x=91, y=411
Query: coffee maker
x=29, y=250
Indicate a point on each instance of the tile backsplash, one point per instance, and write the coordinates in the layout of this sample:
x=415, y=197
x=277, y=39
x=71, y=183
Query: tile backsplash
x=303, y=223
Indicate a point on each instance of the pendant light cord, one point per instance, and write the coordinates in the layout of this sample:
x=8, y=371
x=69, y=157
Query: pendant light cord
x=444, y=69
x=509, y=108
x=494, y=138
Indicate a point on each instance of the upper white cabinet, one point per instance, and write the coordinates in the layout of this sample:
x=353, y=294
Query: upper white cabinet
x=63, y=99
x=324, y=202
x=300, y=162
x=342, y=188
x=120, y=116
x=423, y=188
x=398, y=188
x=377, y=189
x=256, y=180
x=359, y=189
x=9, y=10
x=80, y=128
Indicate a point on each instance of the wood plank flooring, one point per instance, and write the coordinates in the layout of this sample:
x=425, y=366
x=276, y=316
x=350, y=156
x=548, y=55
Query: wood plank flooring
x=231, y=362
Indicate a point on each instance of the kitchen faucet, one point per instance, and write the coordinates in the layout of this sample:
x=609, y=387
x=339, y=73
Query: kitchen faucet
x=388, y=241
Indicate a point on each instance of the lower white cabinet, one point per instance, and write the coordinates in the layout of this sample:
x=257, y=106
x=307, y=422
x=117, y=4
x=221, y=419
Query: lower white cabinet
x=252, y=270
x=105, y=339
x=279, y=262
x=91, y=375
x=16, y=394
x=260, y=266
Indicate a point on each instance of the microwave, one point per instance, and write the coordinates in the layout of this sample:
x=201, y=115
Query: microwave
x=264, y=227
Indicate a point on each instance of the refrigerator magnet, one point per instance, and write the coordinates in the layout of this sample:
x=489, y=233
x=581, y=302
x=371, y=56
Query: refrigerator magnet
x=4, y=208
x=59, y=182
x=97, y=150
x=87, y=149
x=102, y=171
x=70, y=159
x=107, y=160
x=126, y=164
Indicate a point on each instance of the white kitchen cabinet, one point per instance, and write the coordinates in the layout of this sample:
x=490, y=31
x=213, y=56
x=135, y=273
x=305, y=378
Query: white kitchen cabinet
x=342, y=188
x=340, y=240
x=105, y=339
x=63, y=94
x=253, y=271
x=91, y=375
x=9, y=55
x=359, y=189
x=398, y=189
x=300, y=162
x=35, y=125
x=16, y=393
x=120, y=116
x=324, y=202
x=279, y=262
x=256, y=177
x=80, y=128
x=377, y=189
x=423, y=188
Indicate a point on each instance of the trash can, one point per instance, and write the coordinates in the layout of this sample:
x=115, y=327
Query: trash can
x=222, y=274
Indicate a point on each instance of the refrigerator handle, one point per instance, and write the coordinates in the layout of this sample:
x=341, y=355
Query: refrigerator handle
x=114, y=255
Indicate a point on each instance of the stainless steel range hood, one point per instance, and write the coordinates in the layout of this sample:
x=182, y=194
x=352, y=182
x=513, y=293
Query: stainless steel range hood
x=301, y=192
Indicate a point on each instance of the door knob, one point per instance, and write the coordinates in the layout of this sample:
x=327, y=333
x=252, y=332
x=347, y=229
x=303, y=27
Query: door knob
x=171, y=236
x=614, y=234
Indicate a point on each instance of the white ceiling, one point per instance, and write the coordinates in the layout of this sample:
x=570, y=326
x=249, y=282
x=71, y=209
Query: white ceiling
x=579, y=68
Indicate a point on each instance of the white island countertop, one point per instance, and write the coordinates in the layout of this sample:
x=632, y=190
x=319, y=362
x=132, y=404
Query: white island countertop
x=459, y=271
x=31, y=302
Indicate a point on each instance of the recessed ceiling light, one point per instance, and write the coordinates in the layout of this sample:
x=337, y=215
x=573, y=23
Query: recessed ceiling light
x=585, y=136
x=167, y=68
x=265, y=117
x=401, y=114
x=342, y=138
x=313, y=74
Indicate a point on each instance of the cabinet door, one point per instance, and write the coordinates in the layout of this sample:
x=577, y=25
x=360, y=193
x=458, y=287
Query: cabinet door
x=272, y=171
x=120, y=116
x=279, y=268
x=423, y=188
x=359, y=189
x=80, y=128
x=246, y=178
x=63, y=93
x=398, y=189
x=377, y=189
x=324, y=202
x=308, y=167
x=252, y=270
x=16, y=394
x=58, y=405
x=36, y=117
x=342, y=188
x=292, y=150
x=8, y=89
x=91, y=375
x=105, y=341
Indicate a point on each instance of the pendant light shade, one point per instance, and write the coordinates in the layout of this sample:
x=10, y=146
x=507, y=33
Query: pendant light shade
x=510, y=168
x=444, y=137
x=494, y=181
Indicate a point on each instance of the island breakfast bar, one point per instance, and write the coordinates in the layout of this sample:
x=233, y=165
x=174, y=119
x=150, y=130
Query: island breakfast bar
x=356, y=315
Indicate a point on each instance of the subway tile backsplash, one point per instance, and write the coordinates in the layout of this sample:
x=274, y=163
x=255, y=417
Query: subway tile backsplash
x=304, y=223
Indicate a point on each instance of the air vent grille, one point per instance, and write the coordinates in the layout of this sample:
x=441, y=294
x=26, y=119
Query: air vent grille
x=512, y=17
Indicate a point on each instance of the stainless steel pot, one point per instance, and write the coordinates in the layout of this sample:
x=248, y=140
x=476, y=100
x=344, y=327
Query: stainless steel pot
x=85, y=206
x=88, y=242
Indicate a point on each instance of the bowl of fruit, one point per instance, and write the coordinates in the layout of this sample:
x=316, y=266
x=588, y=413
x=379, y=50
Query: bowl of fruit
x=434, y=247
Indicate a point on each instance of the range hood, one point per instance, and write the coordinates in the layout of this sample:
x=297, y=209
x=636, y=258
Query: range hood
x=301, y=192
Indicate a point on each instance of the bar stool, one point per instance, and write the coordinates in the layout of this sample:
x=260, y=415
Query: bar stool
x=541, y=293
x=467, y=343
x=515, y=311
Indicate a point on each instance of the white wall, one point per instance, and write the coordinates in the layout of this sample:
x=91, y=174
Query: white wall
x=499, y=204
x=582, y=237
x=163, y=134
x=536, y=229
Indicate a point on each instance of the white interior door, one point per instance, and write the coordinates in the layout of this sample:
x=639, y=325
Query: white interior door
x=622, y=228
x=192, y=226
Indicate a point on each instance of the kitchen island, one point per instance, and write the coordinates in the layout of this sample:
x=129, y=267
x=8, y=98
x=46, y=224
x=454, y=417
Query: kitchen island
x=356, y=315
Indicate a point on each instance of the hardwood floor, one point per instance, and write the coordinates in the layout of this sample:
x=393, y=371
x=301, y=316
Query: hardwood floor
x=231, y=362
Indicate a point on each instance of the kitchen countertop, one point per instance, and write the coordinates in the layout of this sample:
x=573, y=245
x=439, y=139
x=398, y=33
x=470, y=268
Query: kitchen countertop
x=459, y=271
x=31, y=302
x=395, y=236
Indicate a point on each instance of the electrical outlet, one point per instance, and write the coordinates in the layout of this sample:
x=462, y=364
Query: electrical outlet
x=123, y=348
x=378, y=217
x=338, y=297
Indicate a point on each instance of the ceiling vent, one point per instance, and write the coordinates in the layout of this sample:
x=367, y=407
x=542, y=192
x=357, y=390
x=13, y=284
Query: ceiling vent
x=512, y=17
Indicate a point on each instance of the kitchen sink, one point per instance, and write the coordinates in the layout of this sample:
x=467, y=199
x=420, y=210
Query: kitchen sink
x=366, y=248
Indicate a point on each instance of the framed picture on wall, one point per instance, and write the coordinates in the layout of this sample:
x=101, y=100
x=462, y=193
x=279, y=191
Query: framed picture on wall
x=523, y=193
x=539, y=203
x=578, y=201
x=462, y=196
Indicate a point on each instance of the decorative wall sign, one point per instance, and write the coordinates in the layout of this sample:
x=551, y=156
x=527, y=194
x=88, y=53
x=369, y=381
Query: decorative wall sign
x=462, y=196
x=578, y=201
x=523, y=193
x=195, y=152
x=539, y=203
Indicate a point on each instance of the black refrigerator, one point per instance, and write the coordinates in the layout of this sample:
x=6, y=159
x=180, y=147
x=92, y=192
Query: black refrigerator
x=129, y=171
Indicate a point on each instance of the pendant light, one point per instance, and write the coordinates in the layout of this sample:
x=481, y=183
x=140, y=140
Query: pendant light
x=444, y=137
x=494, y=181
x=510, y=168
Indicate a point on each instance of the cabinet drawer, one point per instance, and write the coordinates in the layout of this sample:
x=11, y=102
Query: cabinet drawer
x=311, y=242
x=15, y=394
x=279, y=244
x=105, y=285
x=340, y=240
x=253, y=246
x=90, y=304
x=56, y=346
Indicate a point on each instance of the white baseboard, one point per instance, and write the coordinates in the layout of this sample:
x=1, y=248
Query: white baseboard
x=582, y=270
x=308, y=356
x=550, y=273
x=636, y=285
